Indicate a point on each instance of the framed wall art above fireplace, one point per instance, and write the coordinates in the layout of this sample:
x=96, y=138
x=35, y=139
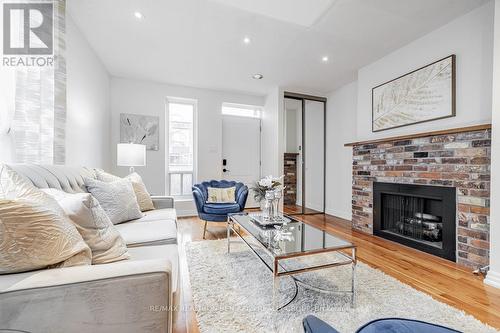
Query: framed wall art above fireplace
x=425, y=94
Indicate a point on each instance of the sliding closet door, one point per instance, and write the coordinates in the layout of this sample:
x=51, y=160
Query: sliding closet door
x=292, y=168
x=314, y=157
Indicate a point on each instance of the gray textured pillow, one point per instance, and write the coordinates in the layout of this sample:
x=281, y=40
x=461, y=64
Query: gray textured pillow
x=116, y=198
x=141, y=192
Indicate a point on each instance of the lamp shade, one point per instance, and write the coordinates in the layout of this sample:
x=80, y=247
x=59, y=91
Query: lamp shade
x=130, y=154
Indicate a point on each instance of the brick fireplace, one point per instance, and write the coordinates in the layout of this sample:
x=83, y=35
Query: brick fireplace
x=458, y=158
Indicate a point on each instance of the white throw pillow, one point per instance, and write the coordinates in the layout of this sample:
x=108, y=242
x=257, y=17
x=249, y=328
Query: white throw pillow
x=116, y=198
x=141, y=192
x=221, y=195
x=34, y=231
x=94, y=225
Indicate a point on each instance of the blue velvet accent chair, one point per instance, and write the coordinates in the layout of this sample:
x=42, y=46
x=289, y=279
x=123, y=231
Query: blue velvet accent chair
x=218, y=212
x=315, y=325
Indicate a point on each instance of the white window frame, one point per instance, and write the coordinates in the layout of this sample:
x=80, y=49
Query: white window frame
x=255, y=108
x=168, y=173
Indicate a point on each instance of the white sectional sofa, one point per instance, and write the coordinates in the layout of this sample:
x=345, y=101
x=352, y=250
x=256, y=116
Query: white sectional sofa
x=135, y=295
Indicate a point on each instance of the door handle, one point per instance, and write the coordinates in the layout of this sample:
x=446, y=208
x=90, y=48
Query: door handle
x=225, y=170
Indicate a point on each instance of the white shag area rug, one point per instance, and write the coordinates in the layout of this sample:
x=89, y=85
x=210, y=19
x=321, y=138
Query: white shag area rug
x=233, y=293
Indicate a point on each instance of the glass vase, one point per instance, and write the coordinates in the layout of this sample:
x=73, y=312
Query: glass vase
x=276, y=203
x=268, y=210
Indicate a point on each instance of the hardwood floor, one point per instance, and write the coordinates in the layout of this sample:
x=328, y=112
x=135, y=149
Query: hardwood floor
x=191, y=229
x=445, y=281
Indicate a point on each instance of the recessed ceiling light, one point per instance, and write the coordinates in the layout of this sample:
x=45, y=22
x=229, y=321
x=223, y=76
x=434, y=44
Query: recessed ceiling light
x=138, y=15
x=246, y=40
x=258, y=76
x=324, y=59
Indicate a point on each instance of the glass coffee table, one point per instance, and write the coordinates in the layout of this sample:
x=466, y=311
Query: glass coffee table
x=274, y=244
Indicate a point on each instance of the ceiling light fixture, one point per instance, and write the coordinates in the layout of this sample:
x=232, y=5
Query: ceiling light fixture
x=246, y=40
x=258, y=76
x=324, y=59
x=138, y=15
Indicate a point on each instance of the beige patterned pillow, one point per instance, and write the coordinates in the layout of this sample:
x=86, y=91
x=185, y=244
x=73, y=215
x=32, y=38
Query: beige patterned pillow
x=34, y=231
x=93, y=224
x=142, y=194
x=104, y=176
x=221, y=195
x=143, y=197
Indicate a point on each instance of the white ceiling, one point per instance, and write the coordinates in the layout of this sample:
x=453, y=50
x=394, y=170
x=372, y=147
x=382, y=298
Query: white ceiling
x=303, y=12
x=200, y=42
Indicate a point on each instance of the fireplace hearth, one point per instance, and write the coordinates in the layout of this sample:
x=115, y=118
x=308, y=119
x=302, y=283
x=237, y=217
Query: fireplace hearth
x=419, y=216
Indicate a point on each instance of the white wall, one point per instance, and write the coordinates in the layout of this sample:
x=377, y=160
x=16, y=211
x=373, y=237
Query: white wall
x=88, y=117
x=470, y=37
x=149, y=98
x=341, y=128
x=493, y=277
x=271, y=134
x=7, y=111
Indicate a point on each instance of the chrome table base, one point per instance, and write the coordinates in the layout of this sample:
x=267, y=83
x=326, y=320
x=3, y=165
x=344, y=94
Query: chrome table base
x=277, y=274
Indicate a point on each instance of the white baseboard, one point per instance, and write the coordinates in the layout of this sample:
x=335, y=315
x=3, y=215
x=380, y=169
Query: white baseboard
x=339, y=213
x=492, y=279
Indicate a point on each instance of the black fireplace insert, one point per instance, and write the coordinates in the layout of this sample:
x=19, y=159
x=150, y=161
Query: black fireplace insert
x=419, y=216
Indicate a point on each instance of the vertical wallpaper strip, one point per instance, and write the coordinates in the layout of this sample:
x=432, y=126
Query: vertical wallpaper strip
x=60, y=83
x=39, y=124
x=33, y=119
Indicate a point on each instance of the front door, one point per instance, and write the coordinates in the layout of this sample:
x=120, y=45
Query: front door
x=241, y=151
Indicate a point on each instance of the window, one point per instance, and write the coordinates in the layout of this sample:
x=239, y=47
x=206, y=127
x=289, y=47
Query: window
x=181, y=157
x=241, y=110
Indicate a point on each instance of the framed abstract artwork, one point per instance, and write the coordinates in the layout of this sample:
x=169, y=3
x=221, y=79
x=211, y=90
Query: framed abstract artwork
x=425, y=94
x=136, y=128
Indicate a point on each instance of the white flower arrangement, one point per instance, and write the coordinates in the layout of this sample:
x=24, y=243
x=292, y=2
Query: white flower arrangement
x=268, y=183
